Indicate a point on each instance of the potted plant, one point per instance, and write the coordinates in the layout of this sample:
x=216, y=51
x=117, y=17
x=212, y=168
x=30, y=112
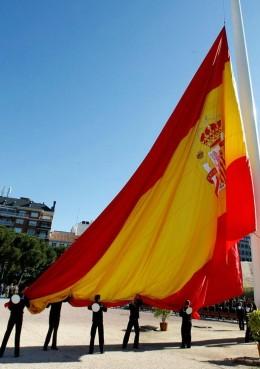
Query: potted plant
x=163, y=314
x=254, y=325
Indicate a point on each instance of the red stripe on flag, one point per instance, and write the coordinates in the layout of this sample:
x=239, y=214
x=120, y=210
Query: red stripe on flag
x=240, y=200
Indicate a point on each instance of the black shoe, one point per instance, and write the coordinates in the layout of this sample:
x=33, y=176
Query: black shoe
x=16, y=355
x=188, y=346
x=90, y=352
x=45, y=348
x=54, y=348
x=182, y=347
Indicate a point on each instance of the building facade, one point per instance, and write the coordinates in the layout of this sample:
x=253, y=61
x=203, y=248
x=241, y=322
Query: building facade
x=61, y=238
x=80, y=228
x=65, y=239
x=26, y=216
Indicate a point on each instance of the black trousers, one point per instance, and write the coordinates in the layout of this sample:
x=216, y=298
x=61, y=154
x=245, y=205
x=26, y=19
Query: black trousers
x=53, y=328
x=241, y=324
x=17, y=322
x=186, y=334
x=132, y=323
x=248, y=335
x=94, y=327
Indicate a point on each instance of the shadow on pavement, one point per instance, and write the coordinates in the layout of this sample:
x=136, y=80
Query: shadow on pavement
x=37, y=355
x=220, y=342
x=74, y=353
x=245, y=361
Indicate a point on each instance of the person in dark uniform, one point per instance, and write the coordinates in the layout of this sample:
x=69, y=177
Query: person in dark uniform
x=241, y=316
x=186, y=325
x=16, y=306
x=97, y=322
x=133, y=322
x=54, y=321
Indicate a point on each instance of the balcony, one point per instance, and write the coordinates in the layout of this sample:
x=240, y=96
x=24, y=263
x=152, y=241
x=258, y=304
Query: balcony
x=7, y=213
x=6, y=222
x=44, y=225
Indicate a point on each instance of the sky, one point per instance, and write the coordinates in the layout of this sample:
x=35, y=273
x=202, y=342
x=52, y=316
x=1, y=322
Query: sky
x=86, y=86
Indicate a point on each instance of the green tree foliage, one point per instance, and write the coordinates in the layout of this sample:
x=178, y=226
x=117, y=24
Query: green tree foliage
x=59, y=250
x=22, y=257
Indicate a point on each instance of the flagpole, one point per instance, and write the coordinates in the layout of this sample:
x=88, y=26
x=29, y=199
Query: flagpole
x=247, y=108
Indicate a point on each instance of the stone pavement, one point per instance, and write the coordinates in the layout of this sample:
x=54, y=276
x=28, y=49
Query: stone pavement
x=214, y=343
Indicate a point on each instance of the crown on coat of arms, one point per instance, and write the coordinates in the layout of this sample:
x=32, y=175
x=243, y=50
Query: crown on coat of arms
x=212, y=134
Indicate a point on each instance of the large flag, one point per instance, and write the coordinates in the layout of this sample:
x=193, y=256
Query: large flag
x=171, y=233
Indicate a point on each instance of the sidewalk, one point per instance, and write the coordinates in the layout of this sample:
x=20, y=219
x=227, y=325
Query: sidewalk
x=213, y=343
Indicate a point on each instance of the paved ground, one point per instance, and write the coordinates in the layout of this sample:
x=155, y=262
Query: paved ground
x=214, y=343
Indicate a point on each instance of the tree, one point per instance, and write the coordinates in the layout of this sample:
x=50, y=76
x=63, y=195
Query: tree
x=8, y=255
x=22, y=257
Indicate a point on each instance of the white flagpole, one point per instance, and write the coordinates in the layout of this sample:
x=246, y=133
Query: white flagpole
x=247, y=107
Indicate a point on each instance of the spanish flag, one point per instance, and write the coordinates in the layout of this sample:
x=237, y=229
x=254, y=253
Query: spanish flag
x=171, y=232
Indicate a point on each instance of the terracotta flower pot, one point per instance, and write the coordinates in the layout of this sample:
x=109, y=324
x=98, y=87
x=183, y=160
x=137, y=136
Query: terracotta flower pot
x=163, y=326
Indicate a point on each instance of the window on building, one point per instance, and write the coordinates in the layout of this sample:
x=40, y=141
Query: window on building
x=18, y=230
x=43, y=235
x=46, y=217
x=34, y=214
x=31, y=231
x=6, y=222
x=22, y=213
x=45, y=225
x=32, y=223
x=4, y=210
x=19, y=221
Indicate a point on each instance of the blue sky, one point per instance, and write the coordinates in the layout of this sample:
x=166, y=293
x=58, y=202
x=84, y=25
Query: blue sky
x=86, y=87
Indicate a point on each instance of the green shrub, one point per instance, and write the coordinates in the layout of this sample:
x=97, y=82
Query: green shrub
x=254, y=324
